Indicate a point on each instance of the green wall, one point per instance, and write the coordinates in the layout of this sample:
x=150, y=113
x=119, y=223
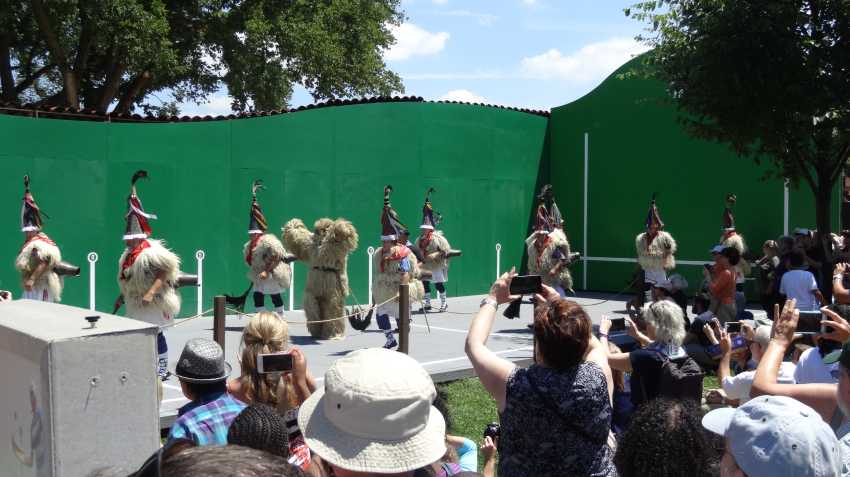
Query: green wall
x=330, y=161
x=637, y=147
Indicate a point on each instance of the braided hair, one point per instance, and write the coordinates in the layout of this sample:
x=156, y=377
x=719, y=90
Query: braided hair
x=258, y=426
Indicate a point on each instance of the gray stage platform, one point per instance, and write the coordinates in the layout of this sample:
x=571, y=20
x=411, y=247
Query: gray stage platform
x=440, y=350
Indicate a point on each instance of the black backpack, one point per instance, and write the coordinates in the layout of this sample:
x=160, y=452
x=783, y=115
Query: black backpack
x=679, y=378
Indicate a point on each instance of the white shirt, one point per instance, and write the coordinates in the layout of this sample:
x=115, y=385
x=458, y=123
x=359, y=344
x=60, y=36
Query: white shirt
x=810, y=369
x=738, y=386
x=800, y=284
x=843, y=434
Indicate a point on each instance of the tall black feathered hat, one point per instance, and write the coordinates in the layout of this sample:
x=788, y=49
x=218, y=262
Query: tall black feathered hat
x=136, y=217
x=257, y=223
x=30, y=213
x=391, y=226
x=652, y=217
x=430, y=219
x=728, y=218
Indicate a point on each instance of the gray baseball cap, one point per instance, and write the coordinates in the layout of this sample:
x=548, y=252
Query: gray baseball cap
x=777, y=436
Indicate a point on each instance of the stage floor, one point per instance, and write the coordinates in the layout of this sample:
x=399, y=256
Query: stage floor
x=440, y=351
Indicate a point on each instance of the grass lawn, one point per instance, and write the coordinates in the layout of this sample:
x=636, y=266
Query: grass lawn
x=471, y=408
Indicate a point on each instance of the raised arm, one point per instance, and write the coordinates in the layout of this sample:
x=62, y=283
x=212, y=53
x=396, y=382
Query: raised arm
x=492, y=370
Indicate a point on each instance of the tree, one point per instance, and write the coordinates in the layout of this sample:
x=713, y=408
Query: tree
x=769, y=78
x=102, y=54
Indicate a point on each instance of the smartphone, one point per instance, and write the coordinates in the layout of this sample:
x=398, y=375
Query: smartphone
x=733, y=327
x=809, y=322
x=526, y=285
x=274, y=363
x=618, y=324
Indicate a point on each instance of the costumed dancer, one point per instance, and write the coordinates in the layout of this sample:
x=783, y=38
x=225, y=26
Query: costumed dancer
x=147, y=274
x=731, y=238
x=394, y=265
x=436, y=252
x=39, y=256
x=655, y=250
x=325, y=250
x=548, y=249
x=269, y=271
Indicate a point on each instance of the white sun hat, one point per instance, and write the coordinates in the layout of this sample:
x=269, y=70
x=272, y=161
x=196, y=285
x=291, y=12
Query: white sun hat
x=375, y=414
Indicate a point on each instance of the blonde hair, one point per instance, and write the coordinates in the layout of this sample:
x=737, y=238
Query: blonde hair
x=264, y=333
x=666, y=317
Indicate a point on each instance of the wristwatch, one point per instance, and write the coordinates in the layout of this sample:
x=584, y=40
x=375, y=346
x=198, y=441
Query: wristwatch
x=489, y=301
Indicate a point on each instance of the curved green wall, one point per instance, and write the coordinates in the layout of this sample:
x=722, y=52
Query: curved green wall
x=637, y=147
x=327, y=162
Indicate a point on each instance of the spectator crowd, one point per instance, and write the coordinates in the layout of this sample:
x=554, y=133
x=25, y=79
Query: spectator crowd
x=602, y=400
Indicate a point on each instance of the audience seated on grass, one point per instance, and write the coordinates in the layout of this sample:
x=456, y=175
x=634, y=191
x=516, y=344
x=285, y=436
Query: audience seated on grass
x=775, y=436
x=461, y=453
x=260, y=427
x=228, y=461
x=666, y=330
x=696, y=343
x=666, y=439
x=556, y=414
x=810, y=366
x=374, y=416
x=266, y=333
x=203, y=374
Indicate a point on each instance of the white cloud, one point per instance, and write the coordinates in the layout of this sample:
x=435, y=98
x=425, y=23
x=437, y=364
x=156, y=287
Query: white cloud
x=411, y=40
x=476, y=75
x=218, y=104
x=484, y=19
x=463, y=95
x=591, y=63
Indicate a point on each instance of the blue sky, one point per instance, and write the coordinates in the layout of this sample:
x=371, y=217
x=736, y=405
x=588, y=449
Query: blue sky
x=527, y=53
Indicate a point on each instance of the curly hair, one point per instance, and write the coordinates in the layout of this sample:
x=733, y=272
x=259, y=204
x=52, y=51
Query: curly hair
x=666, y=316
x=666, y=439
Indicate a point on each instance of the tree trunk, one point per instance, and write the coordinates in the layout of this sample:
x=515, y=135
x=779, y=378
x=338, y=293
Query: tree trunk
x=823, y=221
x=7, y=82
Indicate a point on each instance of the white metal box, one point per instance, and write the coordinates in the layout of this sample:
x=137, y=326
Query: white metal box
x=75, y=400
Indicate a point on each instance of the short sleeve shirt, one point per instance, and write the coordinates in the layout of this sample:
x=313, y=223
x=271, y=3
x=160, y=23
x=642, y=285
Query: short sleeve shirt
x=800, y=284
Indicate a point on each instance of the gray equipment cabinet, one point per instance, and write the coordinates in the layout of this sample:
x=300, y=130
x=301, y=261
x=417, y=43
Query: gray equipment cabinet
x=75, y=400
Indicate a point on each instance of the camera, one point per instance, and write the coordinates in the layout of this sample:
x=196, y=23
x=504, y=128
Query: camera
x=492, y=430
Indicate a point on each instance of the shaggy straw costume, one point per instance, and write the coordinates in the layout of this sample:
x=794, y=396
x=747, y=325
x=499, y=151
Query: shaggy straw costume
x=143, y=261
x=435, y=250
x=391, y=267
x=265, y=253
x=655, y=250
x=37, y=250
x=548, y=249
x=325, y=250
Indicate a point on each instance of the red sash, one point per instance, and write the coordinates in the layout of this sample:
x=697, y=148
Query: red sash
x=249, y=254
x=40, y=236
x=133, y=255
x=541, y=248
x=400, y=252
x=424, y=241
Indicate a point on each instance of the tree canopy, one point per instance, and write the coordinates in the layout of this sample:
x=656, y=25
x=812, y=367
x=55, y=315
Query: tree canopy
x=769, y=78
x=116, y=54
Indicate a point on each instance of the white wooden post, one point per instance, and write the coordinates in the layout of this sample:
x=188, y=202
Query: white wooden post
x=370, y=251
x=498, y=260
x=292, y=286
x=92, y=258
x=785, y=209
x=199, y=256
x=584, y=248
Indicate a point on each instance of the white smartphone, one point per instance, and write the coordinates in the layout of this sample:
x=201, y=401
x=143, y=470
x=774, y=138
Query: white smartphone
x=274, y=363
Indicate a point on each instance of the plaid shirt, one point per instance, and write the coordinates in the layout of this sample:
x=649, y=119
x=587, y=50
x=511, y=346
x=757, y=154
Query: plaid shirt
x=205, y=421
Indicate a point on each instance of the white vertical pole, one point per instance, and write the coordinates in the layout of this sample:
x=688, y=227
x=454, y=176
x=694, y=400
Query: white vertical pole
x=370, y=251
x=584, y=247
x=292, y=286
x=786, y=206
x=199, y=256
x=498, y=260
x=92, y=258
